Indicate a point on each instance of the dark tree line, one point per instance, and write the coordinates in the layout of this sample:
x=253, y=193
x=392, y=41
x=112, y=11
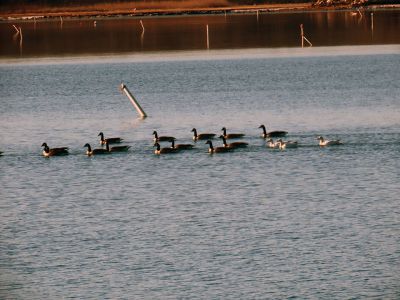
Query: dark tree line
x=87, y=2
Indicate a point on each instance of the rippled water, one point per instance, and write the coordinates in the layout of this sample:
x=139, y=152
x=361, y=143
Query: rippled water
x=256, y=223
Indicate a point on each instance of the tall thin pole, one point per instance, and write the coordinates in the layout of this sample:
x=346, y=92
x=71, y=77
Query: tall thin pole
x=372, y=21
x=134, y=102
x=302, y=35
x=208, y=39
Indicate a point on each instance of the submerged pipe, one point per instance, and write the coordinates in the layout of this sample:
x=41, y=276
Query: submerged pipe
x=135, y=103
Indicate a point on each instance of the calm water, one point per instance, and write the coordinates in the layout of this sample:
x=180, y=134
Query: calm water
x=252, y=224
x=43, y=38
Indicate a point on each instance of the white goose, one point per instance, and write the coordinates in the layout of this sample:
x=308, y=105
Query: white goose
x=272, y=144
x=323, y=142
x=288, y=144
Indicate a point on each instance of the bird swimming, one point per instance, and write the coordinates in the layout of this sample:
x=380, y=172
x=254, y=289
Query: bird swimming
x=272, y=144
x=234, y=144
x=286, y=145
x=231, y=135
x=276, y=133
x=162, y=138
x=47, y=151
x=202, y=136
x=181, y=146
x=212, y=150
x=113, y=140
x=165, y=150
x=122, y=148
x=90, y=152
x=323, y=142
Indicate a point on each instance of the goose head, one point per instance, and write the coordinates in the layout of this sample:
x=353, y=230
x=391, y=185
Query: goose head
x=44, y=145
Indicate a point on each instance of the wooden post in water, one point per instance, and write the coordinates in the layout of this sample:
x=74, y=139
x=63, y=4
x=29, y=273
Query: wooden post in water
x=303, y=38
x=142, y=35
x=208, y=39
x=372, y=22
x=134, y=102
x=141, y=23
x=302, y=35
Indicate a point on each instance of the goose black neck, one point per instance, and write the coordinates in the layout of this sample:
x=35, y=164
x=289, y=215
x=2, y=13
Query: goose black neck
x=89, y=148
x=224, y=131
x=172, y=144
x=264, y=130
x=194, y=132
x=101, y=136
x=155, y=134
x=224, y=141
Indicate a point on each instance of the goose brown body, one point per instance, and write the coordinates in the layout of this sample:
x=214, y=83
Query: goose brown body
x=162, y=138
x=231, y=135
x=202, y=136
x=166, y=150
x=234, y=144
x=47, y=151
x=90, y=152
x=122, y=148
x=276, y=133
x=212, y=150
x=113, y=140
x=181, y=146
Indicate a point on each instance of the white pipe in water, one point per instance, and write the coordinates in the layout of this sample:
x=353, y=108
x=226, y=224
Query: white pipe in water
x=135, y=103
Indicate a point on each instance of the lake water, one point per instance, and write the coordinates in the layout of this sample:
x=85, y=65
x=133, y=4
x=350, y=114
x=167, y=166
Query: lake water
x=256, y=223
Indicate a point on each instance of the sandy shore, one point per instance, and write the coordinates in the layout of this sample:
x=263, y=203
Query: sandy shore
x=129, y=11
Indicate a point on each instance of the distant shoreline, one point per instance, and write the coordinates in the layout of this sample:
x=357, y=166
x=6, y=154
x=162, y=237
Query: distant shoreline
x=78, y=12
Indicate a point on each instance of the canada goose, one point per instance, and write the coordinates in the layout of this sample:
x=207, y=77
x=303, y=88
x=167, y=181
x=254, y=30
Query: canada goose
x=323, y=142
x=277, y=133
x=90, y=152
x=234, y=144
x=162, y=138
x=181, y=146
x=202, y=136
x=54, y=151
x=114, y=140
x=212, y=150
x=117, y=148
x=272, y=144
x=231, y=135
x=160, y=150
x=288, y=144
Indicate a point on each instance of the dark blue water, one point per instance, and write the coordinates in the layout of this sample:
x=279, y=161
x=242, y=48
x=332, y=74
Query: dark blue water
x=256, y=223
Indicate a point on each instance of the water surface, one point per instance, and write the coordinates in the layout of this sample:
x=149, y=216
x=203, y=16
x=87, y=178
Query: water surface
x=255, y=223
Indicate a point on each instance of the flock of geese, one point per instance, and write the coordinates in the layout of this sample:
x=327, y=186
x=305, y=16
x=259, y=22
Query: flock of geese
x=174, y=148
